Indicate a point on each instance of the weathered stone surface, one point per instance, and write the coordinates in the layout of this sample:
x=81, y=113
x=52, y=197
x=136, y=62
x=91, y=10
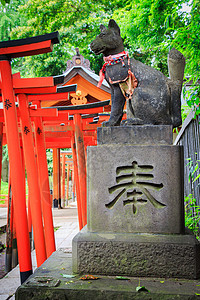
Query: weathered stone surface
x=152, y=200
x=43, y=281
x=105, y=288
x=136, y=254
x=135, y=135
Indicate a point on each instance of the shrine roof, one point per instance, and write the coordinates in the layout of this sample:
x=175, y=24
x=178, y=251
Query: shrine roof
x=80, y=65
x=87, y=74
x=78, y=72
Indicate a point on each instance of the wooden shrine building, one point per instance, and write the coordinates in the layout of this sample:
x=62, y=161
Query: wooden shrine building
x=78, y=72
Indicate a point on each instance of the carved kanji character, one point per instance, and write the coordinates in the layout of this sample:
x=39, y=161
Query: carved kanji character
x=133, y=182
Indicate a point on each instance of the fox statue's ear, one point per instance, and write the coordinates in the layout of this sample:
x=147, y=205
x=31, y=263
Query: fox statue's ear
x=112, y=24
x=102, y=27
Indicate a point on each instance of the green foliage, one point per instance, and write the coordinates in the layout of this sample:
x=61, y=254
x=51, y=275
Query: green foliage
x=3, y=2
x=9, y=17
x=187, y=40
x=5, y=153
x=185, y=110
x=192, y=210
x=194, y=170
x=193, y=98
x=4, y=188
x=56, y=228
x=2, y=246
x=49, y=161
x=192, y=214
x=77, y=22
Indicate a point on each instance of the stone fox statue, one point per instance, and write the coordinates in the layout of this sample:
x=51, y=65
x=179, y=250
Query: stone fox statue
x=151, y=97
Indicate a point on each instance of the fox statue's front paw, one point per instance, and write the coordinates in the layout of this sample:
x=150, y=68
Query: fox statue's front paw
x=130, y=122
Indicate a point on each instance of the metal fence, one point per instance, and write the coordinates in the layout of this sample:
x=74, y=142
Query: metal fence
x=189, y=137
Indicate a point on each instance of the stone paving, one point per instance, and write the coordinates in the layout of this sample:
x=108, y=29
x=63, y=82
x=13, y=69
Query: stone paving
x=66, y=226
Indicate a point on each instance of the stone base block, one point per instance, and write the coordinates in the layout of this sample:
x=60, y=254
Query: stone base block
x=129, y=254
x=135, y=189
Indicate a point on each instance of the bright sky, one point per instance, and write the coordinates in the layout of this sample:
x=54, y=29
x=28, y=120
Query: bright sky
x=186, y=7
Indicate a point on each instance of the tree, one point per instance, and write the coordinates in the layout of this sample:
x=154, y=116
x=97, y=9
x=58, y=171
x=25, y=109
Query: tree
x=77, y=22
x=187, y=38
x=3, y=2
x=9, y=17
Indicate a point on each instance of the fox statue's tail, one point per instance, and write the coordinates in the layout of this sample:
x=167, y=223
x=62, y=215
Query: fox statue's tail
x=176, y=66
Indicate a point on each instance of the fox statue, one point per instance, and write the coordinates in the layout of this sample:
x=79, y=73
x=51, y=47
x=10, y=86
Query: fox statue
x=152, y=98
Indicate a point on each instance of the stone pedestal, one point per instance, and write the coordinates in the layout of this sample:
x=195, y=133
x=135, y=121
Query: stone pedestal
x=136, y=207
x=137, y=255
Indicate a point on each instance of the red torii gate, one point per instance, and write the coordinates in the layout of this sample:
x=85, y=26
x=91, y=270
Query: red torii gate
x=8, y=50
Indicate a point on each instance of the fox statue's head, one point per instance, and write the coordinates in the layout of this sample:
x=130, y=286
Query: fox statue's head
x=109, y=41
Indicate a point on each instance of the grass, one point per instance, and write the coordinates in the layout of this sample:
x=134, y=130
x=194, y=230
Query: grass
x=56, y=228
x=4, y=188
x=4, y=191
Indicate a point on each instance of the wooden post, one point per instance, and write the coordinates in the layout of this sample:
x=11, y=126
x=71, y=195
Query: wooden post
x=18, y=187
x=73, y=185
x=33, y=183
x=67, y=191
x=63, y=180
x=76, y=179
x=55, y=176
x=59, y=180
x=81, y=164
x=30, y=222
x=70, y=181
x=44, y=186
x=14, y=245
x=1, y=148
x=9, y=230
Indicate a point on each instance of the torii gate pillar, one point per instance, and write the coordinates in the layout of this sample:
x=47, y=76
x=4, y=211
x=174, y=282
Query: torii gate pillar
x=14, y=152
